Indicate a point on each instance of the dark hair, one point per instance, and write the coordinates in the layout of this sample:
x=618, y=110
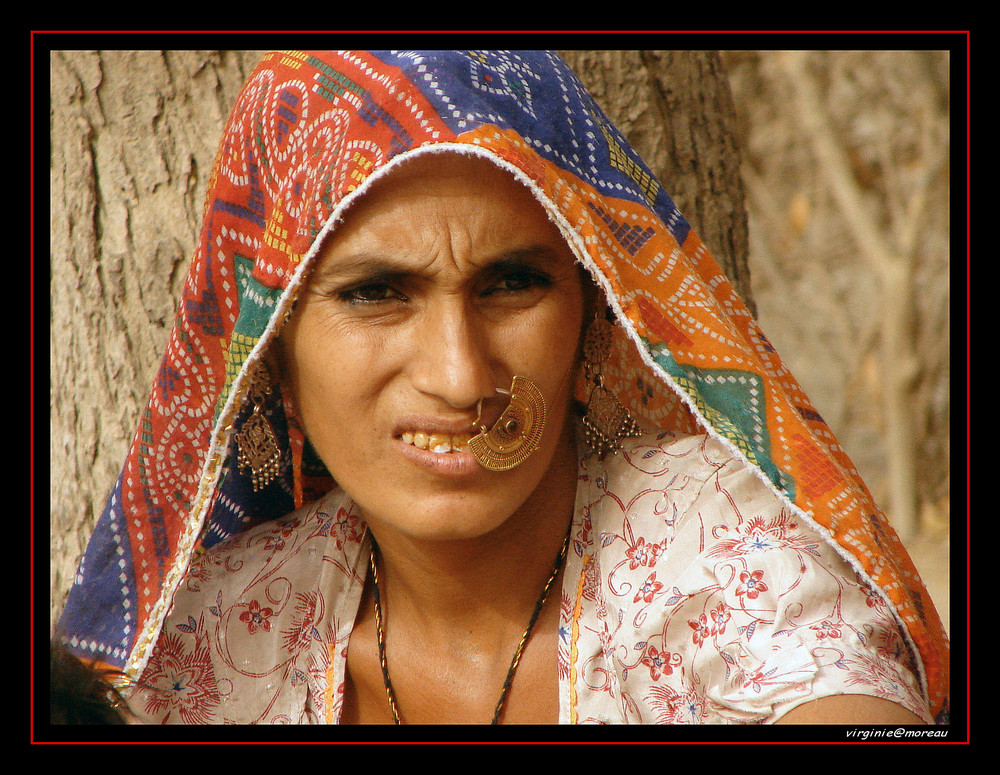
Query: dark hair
x=81, y=693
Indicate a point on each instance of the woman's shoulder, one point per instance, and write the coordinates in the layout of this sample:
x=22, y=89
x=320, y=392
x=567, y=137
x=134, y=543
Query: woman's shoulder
x=692, y=498
x=334, y=516
x=265, y=600
x=670, y=456
x=295, y=552
x=662, y=478
x=739, y=605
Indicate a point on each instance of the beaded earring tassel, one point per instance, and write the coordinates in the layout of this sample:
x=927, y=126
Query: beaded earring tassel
x=257, y=444
x=606, y=422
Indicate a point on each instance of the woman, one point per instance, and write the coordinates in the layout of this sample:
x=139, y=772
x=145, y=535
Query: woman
x=459, y=422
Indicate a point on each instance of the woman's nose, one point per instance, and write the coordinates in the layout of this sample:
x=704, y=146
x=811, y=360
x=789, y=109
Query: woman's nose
x=452, y=358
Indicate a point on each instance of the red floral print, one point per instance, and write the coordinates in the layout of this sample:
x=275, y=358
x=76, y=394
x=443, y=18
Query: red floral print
x=642, y=554
x=660, y=663
x=255, y=617
x=648, y=589
x=180, y=682
x=720, y=616
x=751, y=584
x=826, y=630
x=276, y=541
x=655, y=623
x=308, y=612
x=702, y=631
x=347, y=528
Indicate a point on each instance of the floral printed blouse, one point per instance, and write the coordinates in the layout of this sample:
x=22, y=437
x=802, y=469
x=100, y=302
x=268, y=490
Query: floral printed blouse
x=692, y=595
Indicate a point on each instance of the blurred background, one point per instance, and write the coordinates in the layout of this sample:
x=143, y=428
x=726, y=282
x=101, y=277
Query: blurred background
x=844, y=162
x=846, y=168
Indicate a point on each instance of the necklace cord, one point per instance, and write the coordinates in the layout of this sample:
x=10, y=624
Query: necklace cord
x=390, y=694
x=380, y=631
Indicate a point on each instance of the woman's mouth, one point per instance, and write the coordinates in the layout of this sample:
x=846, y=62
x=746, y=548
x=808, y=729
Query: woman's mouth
x=439, y=443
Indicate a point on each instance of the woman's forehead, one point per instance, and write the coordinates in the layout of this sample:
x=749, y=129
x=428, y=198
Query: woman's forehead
x=444, y=202
x=446, y=175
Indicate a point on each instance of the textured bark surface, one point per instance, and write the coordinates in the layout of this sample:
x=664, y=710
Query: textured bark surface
x=133, y=136
x=847, y=168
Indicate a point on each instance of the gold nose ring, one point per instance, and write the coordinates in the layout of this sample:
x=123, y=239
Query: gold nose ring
x=517, y=432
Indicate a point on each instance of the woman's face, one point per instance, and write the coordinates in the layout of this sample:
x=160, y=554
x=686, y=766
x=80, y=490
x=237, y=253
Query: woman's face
x=443, y=282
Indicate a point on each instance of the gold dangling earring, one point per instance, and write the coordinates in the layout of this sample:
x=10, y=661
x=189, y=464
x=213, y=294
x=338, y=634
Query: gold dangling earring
x=257, y=445
x=606, y=422
x=518, y=431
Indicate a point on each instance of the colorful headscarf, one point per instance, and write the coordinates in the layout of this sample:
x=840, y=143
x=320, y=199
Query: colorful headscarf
x=309, y=132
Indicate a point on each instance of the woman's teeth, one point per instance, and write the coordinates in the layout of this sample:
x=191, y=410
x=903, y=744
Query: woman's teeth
x=438, y=442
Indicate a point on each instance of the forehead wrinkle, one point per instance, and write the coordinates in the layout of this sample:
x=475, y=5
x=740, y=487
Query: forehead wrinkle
x=368, y=264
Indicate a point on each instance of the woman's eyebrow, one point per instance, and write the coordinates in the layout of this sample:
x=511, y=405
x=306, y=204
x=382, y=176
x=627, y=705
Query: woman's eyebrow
x=360, y=265
x=534, y=255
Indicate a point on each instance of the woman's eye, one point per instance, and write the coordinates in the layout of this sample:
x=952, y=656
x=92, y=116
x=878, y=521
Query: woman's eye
x=371, y=293
x=518, y=281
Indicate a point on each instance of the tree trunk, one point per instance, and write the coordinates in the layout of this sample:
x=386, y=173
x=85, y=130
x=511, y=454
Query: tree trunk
x=676, y=110
x=133, y=136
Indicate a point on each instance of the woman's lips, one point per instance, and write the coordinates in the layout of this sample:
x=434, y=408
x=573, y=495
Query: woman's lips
x=453, y=463
x=438, y=445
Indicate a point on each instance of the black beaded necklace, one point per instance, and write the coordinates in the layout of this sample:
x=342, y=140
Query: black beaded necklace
x=501, y=703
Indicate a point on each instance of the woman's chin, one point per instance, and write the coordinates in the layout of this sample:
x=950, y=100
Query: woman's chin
x=440, y=520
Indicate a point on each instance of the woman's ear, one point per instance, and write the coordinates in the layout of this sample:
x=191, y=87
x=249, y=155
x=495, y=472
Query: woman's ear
x=593, y=305
x=593, y=297
x=277, y=354
x=274, y=357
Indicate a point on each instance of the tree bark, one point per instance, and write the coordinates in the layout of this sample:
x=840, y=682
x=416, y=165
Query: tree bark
x=133, y=137
x=676, y=109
